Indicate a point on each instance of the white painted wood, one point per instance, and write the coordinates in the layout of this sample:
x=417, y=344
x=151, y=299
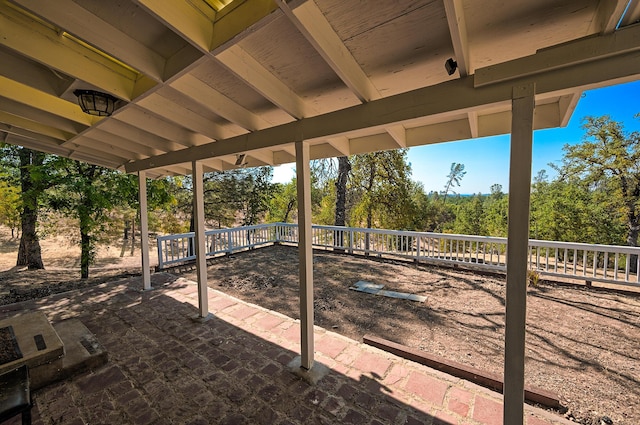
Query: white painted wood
x=632, y=14
x=240, y=63
x=44, y=45
x=15, y=121
x=83, y=24
x=29, y=112
x=218, y=103
x=107, y=148
x=607, y=15
x=144, y=230
x=130, y=132
x=311, y=22
x=139, y=117
x=305, y=254
x=107, y=139
x=517, y=252
x=201, y=252
x=458, y=29
x=239, y=21
x=15, y=139
x=169, y=110
x=283, y=157
x=572, y=54
x=264, y=156
x=28, y=96
x=567, y=105
x=185, y=20
x=473, y=123
x=448, y=98
x=341, y=144
x=399, y=134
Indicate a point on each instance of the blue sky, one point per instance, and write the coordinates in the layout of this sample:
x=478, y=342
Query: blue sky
x=486, y=160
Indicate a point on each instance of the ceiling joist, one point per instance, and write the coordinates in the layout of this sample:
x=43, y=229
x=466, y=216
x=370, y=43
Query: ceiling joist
x=461, y=95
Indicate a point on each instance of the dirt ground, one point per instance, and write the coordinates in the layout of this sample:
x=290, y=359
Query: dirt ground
x=582, y=344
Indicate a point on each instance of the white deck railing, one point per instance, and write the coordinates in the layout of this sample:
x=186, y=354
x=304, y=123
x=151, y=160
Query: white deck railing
x=587, y=262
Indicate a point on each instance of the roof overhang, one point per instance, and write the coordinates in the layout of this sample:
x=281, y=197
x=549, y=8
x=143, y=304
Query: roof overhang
x=207, y=80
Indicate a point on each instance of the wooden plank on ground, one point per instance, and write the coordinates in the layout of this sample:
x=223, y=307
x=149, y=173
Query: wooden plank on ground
x=486, y=379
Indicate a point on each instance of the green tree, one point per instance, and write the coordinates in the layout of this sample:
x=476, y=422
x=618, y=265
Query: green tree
x=470, y=217
x=567, y=209
x=283, y=203
x=29, y=170
x=86, y=192
x=608, y=162
x=381, y=186
x=496, y=208
x=9, y=206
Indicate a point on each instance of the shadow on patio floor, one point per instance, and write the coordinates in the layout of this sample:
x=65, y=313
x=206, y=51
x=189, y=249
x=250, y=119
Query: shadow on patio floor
x=165, y=368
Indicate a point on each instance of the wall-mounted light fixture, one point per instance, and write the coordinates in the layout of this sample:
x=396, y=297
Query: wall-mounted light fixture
x=240, y=159
x=450, y=65
x=96, y=103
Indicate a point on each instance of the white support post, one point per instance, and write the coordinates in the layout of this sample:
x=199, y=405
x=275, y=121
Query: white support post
x=144, y=230
x=523, y=104
x=201, y=252
x=305, y=254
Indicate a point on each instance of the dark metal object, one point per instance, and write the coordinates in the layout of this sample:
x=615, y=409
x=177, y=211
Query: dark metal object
x=96, y=103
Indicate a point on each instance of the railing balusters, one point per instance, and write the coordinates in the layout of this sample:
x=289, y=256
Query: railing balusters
x=173, y=249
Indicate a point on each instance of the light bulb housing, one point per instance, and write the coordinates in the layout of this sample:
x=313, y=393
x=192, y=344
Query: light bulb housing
x=96, y=103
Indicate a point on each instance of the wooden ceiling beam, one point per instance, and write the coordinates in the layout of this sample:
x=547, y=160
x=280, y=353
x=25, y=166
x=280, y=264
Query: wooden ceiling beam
x=184, y=19
x=578, y=53
x=399, y=135
x=85, y=25
x=37, y=99
x=216, y=102
x=451, y=97
x=458, y=29
x=108, y=139
x=169, y=110
x=311, y=22
x=135, y=134
x=244, y=66
x=138, y=117
x=43, y=44
x=37, y=115
x=34, y=126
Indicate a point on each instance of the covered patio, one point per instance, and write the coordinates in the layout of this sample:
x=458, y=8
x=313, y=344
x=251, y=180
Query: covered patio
x=165, y=368
x=190, y=86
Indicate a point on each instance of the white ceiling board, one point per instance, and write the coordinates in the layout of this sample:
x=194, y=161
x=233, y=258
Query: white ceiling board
x=345, y=75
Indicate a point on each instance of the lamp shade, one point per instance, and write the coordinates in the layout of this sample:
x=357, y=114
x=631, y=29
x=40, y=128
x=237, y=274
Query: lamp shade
x=96, y=103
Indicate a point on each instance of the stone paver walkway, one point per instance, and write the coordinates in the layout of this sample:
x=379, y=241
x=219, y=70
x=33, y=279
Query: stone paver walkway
x=165, y=368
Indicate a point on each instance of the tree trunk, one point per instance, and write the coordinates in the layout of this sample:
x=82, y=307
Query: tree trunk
x=86, y=248
x=344, y=167
x=85, y=254
x=372, y=176
x=29, y=253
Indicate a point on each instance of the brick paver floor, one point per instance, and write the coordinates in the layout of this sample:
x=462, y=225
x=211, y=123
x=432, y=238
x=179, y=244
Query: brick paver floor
x=166, y=368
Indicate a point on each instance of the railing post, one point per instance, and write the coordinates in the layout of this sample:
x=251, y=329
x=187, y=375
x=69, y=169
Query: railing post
x=229, y=242
x=417, y=249
x=351, y=240
x=159, y=247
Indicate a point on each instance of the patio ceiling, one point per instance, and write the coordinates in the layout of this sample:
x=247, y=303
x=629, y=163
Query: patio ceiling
x=210, y=79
